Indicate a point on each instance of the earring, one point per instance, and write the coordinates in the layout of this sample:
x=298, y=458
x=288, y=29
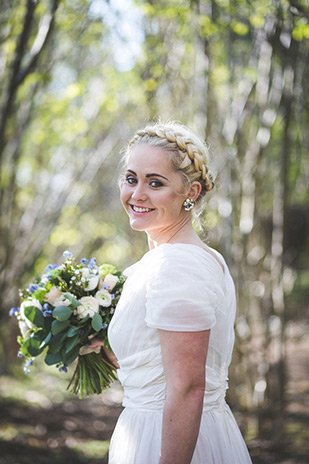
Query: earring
x=188, y=204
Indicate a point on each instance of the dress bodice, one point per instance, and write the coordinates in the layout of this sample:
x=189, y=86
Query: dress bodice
x=177, y=287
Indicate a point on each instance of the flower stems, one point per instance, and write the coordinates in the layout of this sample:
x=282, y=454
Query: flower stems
x=92, y=375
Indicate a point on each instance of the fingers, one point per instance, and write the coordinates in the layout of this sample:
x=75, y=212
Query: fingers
x=89, y=349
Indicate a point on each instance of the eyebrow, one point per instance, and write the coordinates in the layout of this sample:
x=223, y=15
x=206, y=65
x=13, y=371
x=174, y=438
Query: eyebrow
x=153, y=174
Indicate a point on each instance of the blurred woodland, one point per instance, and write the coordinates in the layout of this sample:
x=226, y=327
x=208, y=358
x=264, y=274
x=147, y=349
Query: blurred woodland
x=77, y=78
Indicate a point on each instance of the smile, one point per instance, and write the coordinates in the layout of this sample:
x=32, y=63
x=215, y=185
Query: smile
x=138, y=209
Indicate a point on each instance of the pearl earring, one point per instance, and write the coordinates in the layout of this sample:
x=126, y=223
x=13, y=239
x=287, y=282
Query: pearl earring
x=188, y=204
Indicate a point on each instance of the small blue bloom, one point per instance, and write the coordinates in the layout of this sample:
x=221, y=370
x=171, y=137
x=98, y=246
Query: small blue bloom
x=87, y=344
x=46, y=311
x=67, y=254
x=84, y=261
x=50, y=267
x=92, y=263
x=63, y=368
x=104, y=326
x=112, y=296
x=30, y=362
x=13, y=311
x=19, y=354
x=33, y=288
x=105, y=286
x=26, y=370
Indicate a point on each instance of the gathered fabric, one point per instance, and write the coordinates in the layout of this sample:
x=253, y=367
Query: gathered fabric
x=176, y=287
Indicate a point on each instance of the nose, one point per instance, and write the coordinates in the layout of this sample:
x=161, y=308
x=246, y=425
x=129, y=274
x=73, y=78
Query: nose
x=139, y=193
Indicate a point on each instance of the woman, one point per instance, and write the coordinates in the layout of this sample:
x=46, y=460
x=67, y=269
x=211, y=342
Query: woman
x=172, y=331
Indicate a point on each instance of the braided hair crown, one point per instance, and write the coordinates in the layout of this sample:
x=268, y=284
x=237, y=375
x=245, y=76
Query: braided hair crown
x=189, y=153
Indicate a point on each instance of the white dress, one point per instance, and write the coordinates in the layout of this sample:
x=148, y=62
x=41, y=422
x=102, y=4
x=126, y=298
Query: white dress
x=176, y=287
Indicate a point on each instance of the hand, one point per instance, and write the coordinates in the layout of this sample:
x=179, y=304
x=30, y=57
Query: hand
x=95, y=346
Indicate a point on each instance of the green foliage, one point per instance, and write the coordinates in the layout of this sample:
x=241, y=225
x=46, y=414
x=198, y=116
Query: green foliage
x=35, y=316
x=62, y=313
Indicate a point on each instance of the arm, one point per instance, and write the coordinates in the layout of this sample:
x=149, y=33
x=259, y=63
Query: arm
x=184, y=359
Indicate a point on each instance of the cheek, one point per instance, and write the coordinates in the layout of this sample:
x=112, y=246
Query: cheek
x=124, y=195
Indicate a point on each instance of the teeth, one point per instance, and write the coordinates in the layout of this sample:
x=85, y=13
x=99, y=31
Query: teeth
x=141, y=210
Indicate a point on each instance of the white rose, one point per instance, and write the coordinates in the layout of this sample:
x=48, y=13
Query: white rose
x=24, y=305
x=89, y=305
x=104, y=297
x=52, y=295
x=110, y=280
x=93, y=279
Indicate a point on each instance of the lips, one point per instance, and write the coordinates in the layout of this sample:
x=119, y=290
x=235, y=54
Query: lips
x=140, y=209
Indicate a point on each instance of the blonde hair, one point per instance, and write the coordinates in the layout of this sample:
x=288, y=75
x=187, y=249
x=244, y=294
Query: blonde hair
x=189, y=154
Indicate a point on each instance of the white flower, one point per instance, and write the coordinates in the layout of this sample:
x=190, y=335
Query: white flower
x=89, y=305
x=23, y=327
x=104, y=297
x=52, y=295
x=24, y=305
x=93, y=279
x=110, y=280
x=62, y=301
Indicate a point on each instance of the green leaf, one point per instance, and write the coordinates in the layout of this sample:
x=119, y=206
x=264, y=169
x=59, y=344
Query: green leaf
x=53, y=358
x=32, y=346
x=72, y=331
x=46, y=340
x=69, y=357
x=62, y=313
x=35, y=316
x=59, y=326
x=57, y=342
x=69, y=345
x=73, y=300
x=96, y=322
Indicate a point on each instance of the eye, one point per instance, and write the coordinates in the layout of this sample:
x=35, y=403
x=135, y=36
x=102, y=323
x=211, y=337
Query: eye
x=155, y=183
x=131, y=180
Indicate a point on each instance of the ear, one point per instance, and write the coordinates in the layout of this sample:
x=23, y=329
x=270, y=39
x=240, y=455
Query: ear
x=195, y=190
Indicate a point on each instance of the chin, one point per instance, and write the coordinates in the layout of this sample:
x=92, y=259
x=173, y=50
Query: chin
x=138, y=227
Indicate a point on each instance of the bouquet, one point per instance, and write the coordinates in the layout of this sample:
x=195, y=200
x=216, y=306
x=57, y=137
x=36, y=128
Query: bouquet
x=62, y=311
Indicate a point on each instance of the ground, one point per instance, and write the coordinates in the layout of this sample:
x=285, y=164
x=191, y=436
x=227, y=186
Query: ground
x=41, y=423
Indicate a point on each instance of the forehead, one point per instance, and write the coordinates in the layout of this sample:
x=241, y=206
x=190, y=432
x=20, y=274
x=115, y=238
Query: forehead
x=149, y=158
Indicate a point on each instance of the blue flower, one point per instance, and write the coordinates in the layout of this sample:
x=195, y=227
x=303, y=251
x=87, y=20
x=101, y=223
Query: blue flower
x=29, y=362
x=104, y=326
x=14, y=311
x=84, y=261
x=26, y=370
x=50, y=267
x=67, y=254
x=46, y=311
x=33, y=288
x=63, y=368
x=19, y=354
x=92, y=263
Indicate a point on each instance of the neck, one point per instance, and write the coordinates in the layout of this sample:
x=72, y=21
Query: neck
x=182, y=232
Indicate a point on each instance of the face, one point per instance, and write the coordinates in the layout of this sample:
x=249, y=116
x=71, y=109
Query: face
x=153, y=192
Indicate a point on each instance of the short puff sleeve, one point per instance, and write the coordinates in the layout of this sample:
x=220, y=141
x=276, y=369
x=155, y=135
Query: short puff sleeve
x=181, y=293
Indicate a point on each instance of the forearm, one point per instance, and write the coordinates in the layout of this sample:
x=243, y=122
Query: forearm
x=180, y=428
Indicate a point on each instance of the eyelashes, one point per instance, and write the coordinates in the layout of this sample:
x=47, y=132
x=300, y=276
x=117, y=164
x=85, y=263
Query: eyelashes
x=131, y=180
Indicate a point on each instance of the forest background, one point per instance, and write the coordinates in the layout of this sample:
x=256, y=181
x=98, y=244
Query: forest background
x=77, y=78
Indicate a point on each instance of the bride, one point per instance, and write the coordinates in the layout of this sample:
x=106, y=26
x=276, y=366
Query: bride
x=172, y=332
